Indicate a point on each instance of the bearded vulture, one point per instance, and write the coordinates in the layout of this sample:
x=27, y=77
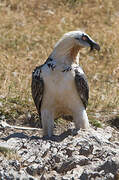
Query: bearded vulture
x=59, y=86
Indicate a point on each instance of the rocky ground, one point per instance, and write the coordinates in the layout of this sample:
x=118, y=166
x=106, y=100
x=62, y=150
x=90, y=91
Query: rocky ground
x=85, y=155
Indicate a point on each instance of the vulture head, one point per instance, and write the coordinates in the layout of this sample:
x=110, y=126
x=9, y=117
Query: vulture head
x=70, y=44
x=85, y=40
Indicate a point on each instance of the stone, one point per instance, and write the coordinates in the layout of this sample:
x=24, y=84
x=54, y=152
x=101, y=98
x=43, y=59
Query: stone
x=111, y=165
x=90, y=154
x=35, y=169
x=86, y=149
x=71, y=163
x=15, y=164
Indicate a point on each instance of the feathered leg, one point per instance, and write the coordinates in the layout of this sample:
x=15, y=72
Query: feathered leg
x=47, y=119
x=81, y=119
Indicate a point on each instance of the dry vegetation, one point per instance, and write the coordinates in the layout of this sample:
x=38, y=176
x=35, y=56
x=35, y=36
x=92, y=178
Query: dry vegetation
x=28, y=32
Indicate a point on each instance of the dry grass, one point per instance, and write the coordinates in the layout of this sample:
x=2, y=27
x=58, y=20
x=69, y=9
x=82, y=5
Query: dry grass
x=28, y=32
x=8, y=153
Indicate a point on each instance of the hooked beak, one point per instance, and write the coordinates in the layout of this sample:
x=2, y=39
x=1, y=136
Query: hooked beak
x=94, y=45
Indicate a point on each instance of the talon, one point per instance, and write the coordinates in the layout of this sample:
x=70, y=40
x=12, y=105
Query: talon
x=67, y=69
x=52, y=66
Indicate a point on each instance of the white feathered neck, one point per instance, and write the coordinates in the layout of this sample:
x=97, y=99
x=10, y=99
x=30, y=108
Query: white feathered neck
x=66, y=50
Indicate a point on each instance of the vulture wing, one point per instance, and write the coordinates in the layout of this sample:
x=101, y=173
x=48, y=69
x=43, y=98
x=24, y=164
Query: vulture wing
x=37, y=88
x=82, y=86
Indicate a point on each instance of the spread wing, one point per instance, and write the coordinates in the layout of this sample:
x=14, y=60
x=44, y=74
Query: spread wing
x=82, y=86
x=37, y=88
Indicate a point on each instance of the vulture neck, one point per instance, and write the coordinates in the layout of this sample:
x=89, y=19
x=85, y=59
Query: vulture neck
x=66, y=52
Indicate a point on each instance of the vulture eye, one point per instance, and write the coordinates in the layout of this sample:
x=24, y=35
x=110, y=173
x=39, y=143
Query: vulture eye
x=84, y=38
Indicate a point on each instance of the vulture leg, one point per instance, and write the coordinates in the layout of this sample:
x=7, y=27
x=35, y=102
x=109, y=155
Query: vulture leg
x=81, y=119
x=47, y=122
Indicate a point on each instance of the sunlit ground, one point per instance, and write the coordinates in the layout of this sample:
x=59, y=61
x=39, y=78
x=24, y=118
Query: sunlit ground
x=28, y=32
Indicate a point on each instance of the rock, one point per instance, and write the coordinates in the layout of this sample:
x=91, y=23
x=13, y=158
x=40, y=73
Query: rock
x=56, y=158
x=35, y=169
x=69, y=151
x=91, y=154
x=86, y=149
x=43, y=177
x=15, y=164
x=32, y=169
x=87, y=175
x=82, y=160
x=117, y=175
x=66, y=166
x=71, y=163
x=111, y=165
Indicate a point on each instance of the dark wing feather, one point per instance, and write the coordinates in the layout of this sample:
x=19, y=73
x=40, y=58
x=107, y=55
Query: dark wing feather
x=82, y=87
x=37, y=88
